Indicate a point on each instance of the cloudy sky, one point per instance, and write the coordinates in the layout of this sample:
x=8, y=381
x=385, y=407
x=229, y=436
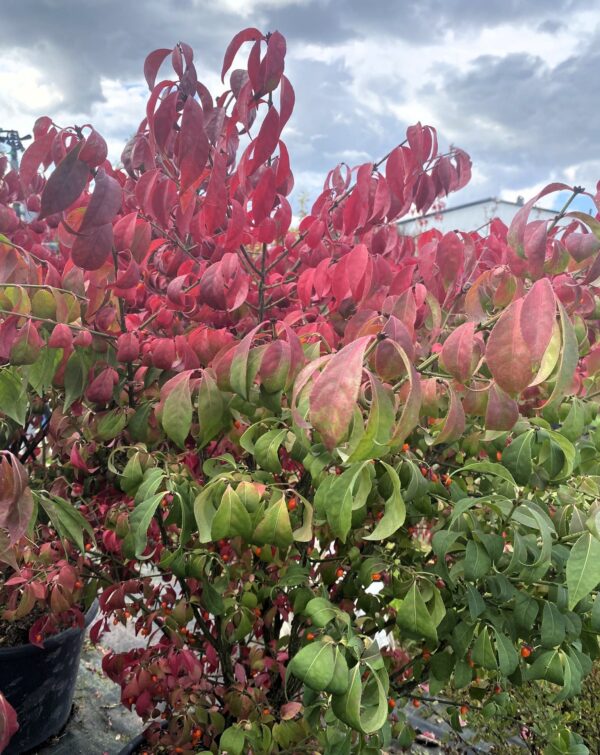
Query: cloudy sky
x=515, y=83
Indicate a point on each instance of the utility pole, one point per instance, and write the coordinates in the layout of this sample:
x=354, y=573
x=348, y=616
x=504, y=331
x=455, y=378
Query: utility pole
x=15, y=142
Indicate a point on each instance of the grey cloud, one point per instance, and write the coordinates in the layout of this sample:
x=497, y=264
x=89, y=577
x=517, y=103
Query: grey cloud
x=516, y=111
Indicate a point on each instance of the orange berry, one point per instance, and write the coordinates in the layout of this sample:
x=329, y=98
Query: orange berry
x=525, y=651
x=78, y=584
x=424, y=471
x=434, y=478
x=88, y=546
x=499, y=455
x=225, y=557
x=257, y=551
x=256, y=612
x=464, y=709
x=392, y=702
x=266, y=711
x=416, y=703
x=426, y=655
x=38, y=638
x=310, y=636
x=376, y=577
x=497, y=689
x=447, y=480
x=292, y=504
x=405, y=447
x=339, y=572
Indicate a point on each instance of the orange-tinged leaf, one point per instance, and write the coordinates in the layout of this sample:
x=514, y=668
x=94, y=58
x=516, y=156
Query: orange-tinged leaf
x=538, y=316
x=335, y=392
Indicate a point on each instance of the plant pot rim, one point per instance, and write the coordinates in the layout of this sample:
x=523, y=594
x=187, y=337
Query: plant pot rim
x=51, y=642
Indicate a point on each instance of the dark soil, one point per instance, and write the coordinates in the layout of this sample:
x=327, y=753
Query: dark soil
x=15, y=633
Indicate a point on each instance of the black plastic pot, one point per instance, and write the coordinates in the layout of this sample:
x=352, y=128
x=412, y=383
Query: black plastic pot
x=40, y=683
x=133, y=747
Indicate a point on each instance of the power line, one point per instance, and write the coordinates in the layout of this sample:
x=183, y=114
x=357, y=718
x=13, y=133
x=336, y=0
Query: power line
x=15, y=141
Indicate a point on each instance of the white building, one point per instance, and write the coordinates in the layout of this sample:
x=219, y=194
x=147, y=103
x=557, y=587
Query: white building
x=470, y=217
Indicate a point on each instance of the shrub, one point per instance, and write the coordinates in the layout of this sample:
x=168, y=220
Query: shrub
x=327, y=466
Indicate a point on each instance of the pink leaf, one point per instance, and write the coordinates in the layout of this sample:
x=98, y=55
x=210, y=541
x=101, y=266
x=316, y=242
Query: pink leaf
x=458, y=352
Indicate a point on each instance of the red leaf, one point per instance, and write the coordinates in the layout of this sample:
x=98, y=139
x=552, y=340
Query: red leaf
x=507, y=354
x=502, y=411
x=8, y=722
x=151, y=65
x=534, y=240
x=271, y=68
x=193, y=144
x=267, y=139
x=215, y=201
x=34, y=156
x=65, y=184
x=246, y=35
x=335, y=392
x=94, y=150
x=16, y=501
x=94, y=241
x=458, y=355
x=538, y=315
x=454, y=424
x=516, y=232
x=286, y=101
x=104, y=204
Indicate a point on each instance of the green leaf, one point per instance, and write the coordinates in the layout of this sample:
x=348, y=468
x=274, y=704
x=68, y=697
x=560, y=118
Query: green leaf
x=275, y=528
x=110, y=424
x=266, y=450
x=546, y=666
x=178, y=411
x=373, y=440
x=320, y=611
x=517, y=458
x=477, y=561
x=232, y=741
x=553, y=626
x=413, y=616
x=76, y=376
x=139, y=521
x=363, y=708
x=568, y=450
x=314, y=664
x=490, y=468
x=395, y=510
x=340, y=680
x=133, y=475
x=232, y=518
x=212, y=414
x=483, y=652
x=508, y=658
x=204, y=513
x=573, y=426
x=67, y=520
x=340, y=496
x=42, y=371
x=13, y=398
x=583, y=568
x=569, y=356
